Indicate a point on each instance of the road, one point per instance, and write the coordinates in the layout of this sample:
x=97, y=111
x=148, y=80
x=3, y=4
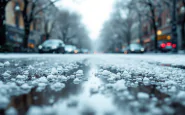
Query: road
x=32, y=84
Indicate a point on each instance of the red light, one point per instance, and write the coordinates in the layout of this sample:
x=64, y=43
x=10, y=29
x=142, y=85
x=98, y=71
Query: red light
x=174, y=45
x=163, y=45
x=169, y=44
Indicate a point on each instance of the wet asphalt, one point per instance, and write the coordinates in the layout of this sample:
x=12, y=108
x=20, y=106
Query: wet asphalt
x=92, y=96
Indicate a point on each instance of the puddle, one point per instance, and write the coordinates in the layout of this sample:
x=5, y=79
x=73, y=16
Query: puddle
x=47, y=97
x=151, y=90
x=90, y=100
x=83, y=98
x=179, y=109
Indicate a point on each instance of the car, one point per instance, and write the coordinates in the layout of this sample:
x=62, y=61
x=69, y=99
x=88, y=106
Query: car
x=134, y=48
x=166, y=46
x=71, y=49
x=52, y=46
x=84, y=51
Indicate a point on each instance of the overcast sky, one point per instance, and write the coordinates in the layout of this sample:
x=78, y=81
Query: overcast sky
x=94, y=13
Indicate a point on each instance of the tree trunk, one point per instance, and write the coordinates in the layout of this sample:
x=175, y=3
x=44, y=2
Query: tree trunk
x=2, y=24
x=140, y=29
x=183, y=29
x=128, y=37
x=26, y=25
x=46, y=30
x=154, y=27
x=128, y=41
x=47, y=36
x=64, y=35
x=26, y=35
x=183, y=35
x=155, y=37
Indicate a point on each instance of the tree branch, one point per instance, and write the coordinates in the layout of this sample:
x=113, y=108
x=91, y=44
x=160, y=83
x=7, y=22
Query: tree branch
x=45, y=6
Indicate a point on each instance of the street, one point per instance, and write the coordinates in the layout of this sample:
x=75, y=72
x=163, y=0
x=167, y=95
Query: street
x=99, y=84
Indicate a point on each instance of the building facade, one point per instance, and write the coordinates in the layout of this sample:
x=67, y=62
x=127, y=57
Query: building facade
x=164, y=25
x=15, y=25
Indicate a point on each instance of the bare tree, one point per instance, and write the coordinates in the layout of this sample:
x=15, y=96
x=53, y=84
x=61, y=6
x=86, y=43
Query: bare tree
x=49, y=19
x=108, y=37
x=69, y=28
x=150, y=9
x=124, y=23
x=118, y=29
x=114, y=33
x=31, y=9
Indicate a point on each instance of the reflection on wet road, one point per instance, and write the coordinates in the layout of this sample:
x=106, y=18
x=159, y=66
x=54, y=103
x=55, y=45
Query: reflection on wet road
x=83, y=98
x=89, y=101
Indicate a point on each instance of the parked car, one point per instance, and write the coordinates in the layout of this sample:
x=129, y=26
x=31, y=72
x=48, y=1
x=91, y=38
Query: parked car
x=134, y=48
x=166, y=46
x=71, y=49
x=52, y=46
x=84, y=51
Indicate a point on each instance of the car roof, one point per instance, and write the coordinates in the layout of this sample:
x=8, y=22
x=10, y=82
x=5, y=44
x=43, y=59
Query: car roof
x=54, y=40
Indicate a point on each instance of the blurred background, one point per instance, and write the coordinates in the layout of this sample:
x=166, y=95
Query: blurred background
x=92, y=26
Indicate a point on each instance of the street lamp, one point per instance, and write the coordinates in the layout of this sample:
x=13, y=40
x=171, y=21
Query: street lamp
x=159, y=32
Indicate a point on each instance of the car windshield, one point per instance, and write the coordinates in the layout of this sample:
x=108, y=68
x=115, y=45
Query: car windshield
x=85, y=50
x=70, y=47
x=135, y=46
x=51, y=42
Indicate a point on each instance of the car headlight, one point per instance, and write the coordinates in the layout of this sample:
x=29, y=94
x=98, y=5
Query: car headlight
x=132, y=49
x=69, y=50
x=54, y=47
x=40, y=47
x=142, y=49
x=75, y=51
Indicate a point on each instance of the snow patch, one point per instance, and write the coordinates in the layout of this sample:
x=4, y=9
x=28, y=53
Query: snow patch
x=6, y=74
x=146, y=80
x=34, y=110
x=4, y=101
x=106, y=73
x=11, y=111
x=26, y=86
x=62, y=78
x=120, y=85
x=7, y=63
x=79, y=73
x=22, y=77
x=51, y=77
x=181, y=96
x=77, y=81
x=142, y=96
x=42, y=80
x=54, y=71
x=57, y=86
x=1, y=65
